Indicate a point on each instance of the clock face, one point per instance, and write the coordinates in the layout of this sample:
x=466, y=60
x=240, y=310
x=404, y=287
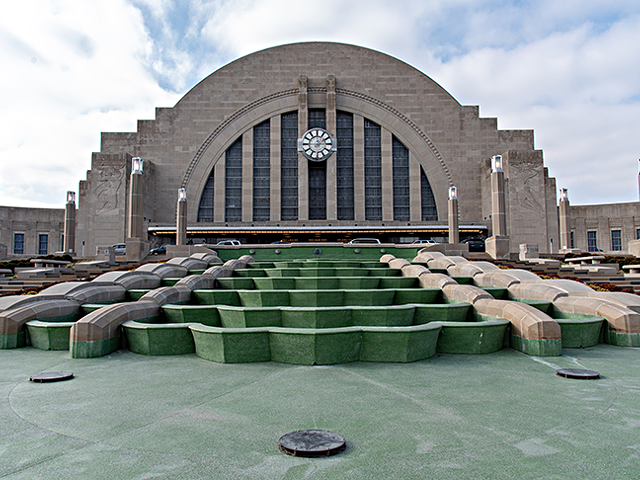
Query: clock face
x=317, y=144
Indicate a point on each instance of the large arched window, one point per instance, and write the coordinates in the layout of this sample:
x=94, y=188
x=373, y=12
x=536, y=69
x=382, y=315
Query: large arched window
x=344, y=166
x=233, y=182
x=372, y=171
x=262, y=172
x=401, y=198
x=289, y=166
x=428, y=202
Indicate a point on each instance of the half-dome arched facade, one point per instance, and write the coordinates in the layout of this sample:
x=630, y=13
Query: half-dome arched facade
x=397, y=142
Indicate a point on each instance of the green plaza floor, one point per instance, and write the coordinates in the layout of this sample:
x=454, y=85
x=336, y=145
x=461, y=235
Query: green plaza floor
x=497, y=416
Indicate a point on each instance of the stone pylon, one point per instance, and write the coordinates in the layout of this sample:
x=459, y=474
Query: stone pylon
x=70, y=224
x=181, y=218
x=137, y=244
x=497, y=245
x=564, y=211
x=454, y=230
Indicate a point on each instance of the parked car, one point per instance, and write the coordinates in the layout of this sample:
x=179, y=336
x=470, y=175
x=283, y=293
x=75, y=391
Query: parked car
x=120, y=248
x=364, y=241
x=475, y=244
x=160, y=250
x=229, y=242
x=422, y=242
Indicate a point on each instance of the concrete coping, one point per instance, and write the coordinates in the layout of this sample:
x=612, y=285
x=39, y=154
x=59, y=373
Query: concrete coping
x=595, y=259
x=43, y=262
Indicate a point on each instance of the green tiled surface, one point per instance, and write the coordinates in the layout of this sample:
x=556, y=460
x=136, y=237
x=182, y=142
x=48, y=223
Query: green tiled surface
x=472, y=337
x=580, y=332
x=204, y=314
x=94, y=349
x=499, y=416
x=622, y=339
x=542, y=348
x=250, y=317
x=399, y=345
x=49, y=335
x=136, y=294
x=150, y=339
x=16, y=340
x=497, y=292
x=215, y=297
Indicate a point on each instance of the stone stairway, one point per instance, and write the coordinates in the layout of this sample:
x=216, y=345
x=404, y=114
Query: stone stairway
x=566, y=271
x=81, y=271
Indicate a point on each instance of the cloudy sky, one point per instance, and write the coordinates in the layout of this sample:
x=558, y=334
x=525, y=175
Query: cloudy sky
x=70, y=69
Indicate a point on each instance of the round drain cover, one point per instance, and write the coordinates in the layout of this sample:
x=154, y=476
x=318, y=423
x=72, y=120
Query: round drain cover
x=51, y=376
x=312, y=443
x=577, y=373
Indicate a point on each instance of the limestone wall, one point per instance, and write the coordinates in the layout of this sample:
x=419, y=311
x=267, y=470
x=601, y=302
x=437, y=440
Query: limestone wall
x=31, y=222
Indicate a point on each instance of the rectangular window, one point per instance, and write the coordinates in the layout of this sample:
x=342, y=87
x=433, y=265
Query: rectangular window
x=289, y=166
x=401, y=203
x=616, y=240
x=572, y=243
x=43, y=244
x=317, y=173
x=262, y=172
x=233, y=182
x=372, y=171
x=428, y=201
x=205, y=210
x=637, y=233
x=344, y=166
x=18, y=243
x=317, y=119
x=592, y=242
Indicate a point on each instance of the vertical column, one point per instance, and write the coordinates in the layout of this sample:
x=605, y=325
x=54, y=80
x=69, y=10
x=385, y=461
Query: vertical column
x=70, y=223
x=332, y=128
x=414, y=189
x=303, y=167
x=565, y=220
x=358, y=167
x=276, y=170
x=498, y=212
x=454, y=231
x=181, y=218
x=135, y=199
x=137, y=245
x=387, y=175
x=247, y=176
x=498, y=244
x=219, y=189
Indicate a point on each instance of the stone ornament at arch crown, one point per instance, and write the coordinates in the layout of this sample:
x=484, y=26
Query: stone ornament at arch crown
x=285, y=101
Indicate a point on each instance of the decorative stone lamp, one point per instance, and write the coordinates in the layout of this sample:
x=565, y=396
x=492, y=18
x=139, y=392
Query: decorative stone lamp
x=454, y=231
x=497, y=245
x=181, y=218
x=70, y=223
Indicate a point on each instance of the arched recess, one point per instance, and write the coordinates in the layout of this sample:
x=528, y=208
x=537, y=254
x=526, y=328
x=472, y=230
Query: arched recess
x=421, y=147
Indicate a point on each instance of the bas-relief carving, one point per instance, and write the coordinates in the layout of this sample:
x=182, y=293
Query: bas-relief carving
x=525, y=193
x=107, y=190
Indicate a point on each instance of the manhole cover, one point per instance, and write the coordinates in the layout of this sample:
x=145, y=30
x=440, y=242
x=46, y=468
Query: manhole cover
x=51, y=376
x=577, y=373
x=312, y=443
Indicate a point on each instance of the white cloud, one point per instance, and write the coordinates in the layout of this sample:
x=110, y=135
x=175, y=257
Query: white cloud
x=579, y=92
x=566, y=69
x=76, y=69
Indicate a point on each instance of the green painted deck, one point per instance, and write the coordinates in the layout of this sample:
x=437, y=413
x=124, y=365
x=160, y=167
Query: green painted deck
x=497, y=416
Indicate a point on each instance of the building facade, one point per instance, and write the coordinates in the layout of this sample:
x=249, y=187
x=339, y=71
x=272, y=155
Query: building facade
x=397, y=142
x=605, y=228
x=28, y=232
